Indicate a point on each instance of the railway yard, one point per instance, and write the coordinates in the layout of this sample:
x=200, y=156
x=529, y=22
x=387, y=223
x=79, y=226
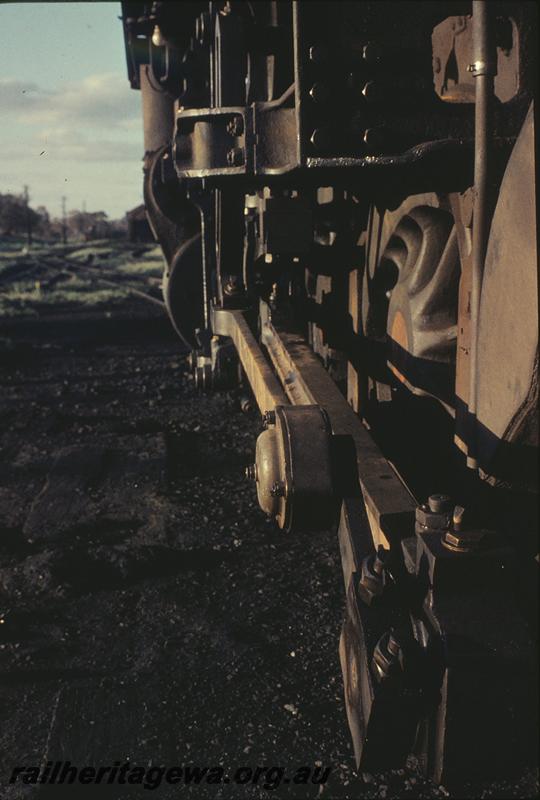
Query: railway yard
x=149, y=612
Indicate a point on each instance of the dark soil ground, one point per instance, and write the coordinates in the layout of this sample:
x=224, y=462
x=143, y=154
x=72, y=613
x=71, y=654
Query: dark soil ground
x=149, y=612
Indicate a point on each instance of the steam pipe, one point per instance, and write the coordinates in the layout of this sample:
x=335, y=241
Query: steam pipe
x=484, y=69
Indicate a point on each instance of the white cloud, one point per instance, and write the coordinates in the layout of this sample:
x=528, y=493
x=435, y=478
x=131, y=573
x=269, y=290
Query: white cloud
x=71, y=143
x=96, y=100
x=87, y=135
x=18, y=95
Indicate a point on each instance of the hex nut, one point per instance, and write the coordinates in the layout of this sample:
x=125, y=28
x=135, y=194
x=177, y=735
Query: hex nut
x=387, y=657
x=430, y=520
x=268, y=418
x=372, y=577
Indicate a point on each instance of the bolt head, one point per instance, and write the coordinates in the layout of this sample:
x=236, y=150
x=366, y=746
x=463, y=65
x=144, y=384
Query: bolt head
x=232, y=286
x=269, y=418
x=235, y=126
x=235, y=157
x=278, y=489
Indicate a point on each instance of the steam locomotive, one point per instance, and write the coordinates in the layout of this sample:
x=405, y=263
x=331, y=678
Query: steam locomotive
x=344, y=193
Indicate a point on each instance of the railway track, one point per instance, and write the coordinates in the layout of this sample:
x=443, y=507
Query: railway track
x=54, y=271
x=161, y=578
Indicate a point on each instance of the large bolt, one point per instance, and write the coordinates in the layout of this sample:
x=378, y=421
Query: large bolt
x=439, y=503
x=435, y=514
x=235, y=157
x=251, y=472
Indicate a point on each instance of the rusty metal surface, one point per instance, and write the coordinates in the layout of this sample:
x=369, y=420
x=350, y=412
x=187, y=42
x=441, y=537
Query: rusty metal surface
x=294, y=468
x=360, y=110
x=389, y=504
x=452, y=43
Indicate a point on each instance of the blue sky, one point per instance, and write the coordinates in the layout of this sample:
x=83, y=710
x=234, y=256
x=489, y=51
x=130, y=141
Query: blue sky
x=70, y=124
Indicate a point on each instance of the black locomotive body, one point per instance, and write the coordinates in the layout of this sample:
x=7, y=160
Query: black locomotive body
x=344, y=193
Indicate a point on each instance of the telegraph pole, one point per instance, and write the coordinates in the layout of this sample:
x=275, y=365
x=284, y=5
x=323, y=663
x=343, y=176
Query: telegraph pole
x=26, y=198
x=64, y=227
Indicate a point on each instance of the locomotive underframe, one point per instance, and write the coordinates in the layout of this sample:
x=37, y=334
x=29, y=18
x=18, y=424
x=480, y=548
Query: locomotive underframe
x=435, y=655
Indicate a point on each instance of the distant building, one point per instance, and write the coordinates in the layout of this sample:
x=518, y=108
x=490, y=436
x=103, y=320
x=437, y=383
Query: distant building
x=138, y=227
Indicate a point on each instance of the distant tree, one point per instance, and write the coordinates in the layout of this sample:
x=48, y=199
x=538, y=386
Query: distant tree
x=15, y=215
x=88, y=225
x=18, y=218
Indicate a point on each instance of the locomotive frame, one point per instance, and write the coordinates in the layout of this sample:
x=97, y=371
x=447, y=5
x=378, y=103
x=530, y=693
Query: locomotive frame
x=344, y=199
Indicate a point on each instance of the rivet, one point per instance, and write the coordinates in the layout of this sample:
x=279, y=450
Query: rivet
x=318, y=54
x=319, y=138
x=319, y=93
